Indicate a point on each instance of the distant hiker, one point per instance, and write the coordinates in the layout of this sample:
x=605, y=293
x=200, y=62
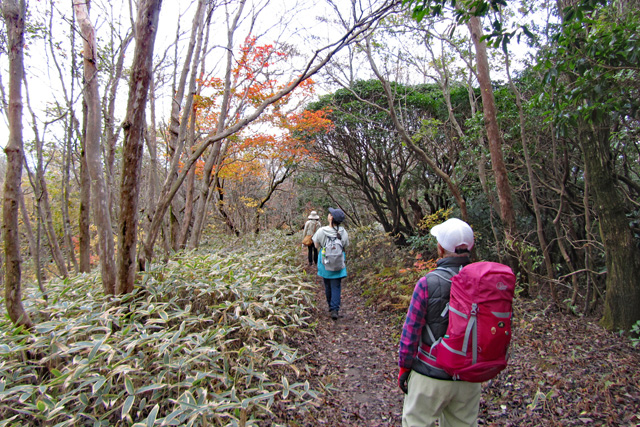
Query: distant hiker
x=333, y=239
x=431, y=394
x=310, y=227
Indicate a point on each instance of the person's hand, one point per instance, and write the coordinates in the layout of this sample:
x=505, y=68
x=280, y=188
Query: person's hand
x=403, y=377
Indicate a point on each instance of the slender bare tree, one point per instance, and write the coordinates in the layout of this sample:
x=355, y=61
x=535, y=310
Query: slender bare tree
x=84, y=222
x=491, y=125
x=100, y=201
x=14, y=16
x=421, y=154
x=214, y=154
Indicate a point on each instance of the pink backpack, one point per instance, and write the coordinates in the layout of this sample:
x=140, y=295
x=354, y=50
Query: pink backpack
x=475, y=346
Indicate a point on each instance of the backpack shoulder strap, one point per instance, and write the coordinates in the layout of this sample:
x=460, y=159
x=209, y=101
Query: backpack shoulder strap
x=451, y=271
x=328, y=240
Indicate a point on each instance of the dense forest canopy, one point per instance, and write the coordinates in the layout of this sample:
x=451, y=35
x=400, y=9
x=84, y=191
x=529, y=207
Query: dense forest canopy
x=133, y=129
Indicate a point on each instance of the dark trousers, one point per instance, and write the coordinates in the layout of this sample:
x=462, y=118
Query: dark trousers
x=332, y=289
x=313, y=254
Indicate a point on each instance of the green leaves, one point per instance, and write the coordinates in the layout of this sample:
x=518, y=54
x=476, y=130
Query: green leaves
x=593, y=66
x=202, y=337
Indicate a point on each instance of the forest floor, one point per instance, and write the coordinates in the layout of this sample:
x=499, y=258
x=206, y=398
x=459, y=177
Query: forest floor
x=564, y=370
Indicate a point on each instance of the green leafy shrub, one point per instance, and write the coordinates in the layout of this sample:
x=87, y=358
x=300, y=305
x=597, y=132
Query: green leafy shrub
x=386, y=273
x=202, y=340
x=424, y=242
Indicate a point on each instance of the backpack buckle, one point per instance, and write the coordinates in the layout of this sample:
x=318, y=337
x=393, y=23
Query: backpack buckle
x=474, y=309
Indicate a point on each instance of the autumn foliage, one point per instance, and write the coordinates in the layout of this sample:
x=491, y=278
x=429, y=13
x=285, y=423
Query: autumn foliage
x=281, y=136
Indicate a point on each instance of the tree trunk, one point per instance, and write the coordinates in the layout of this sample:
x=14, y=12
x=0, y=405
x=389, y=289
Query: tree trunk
x=134, y=125
x=45, y=211
x=491, y=125
x=84, y=222
x=68, y=159
x=111, y=132
x=622, y=301
x=214, y=155
x=14, y=15
x=100, y=202
x=191, y=177
x=481, y=162
x=220, y=205
x=34, y=248
x=66, y=174
x=150, y=138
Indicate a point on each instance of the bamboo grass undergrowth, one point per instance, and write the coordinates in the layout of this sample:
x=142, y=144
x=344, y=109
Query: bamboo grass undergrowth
x=202, y=340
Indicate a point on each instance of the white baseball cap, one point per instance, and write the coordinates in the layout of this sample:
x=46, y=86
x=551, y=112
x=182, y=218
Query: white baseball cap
x=453, y=233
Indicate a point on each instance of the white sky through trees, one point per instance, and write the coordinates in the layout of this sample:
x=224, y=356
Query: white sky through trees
x=301, y=24
x=304, y=26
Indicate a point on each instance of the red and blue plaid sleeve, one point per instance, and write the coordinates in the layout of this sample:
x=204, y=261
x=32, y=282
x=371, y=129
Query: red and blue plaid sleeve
x=413, y=324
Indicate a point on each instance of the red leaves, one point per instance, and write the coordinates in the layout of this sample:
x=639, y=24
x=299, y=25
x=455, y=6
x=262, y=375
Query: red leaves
x=281, y=135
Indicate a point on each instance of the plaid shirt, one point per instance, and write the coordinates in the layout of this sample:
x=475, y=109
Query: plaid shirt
x=417, y=314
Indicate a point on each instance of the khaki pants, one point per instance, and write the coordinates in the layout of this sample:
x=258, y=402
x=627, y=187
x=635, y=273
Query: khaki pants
x=454, y=403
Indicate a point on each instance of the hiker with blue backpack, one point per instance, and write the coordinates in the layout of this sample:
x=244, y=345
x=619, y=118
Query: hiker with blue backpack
x=456, y=333
x=332, y=240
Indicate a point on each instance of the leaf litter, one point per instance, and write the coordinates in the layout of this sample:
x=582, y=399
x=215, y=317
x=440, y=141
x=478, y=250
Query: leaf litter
x=563, y=370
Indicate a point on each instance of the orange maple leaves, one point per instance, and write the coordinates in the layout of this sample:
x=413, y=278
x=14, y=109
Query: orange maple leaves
x=282, y=134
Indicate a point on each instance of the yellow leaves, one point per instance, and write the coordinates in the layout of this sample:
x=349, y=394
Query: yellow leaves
x=434, y=219
x=249, y=202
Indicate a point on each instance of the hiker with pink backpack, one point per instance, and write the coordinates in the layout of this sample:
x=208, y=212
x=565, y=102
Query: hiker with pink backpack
x=456, y=333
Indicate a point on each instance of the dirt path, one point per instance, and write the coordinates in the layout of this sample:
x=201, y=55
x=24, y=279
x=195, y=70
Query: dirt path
x=564, y=370
x=357, y=355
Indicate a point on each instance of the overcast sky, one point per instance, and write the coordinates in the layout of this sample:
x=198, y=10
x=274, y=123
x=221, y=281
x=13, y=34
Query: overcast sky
x=305, y=24
x=293, y=21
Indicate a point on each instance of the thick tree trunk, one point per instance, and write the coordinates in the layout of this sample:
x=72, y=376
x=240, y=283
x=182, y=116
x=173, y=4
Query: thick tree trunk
x=622, y=301
x=100, y=202
x=14, y=15
x=150, y=138
x=134, y=124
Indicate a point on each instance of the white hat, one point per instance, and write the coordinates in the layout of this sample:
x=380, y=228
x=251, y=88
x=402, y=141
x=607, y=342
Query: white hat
x=313, y=215
x=453, y=233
